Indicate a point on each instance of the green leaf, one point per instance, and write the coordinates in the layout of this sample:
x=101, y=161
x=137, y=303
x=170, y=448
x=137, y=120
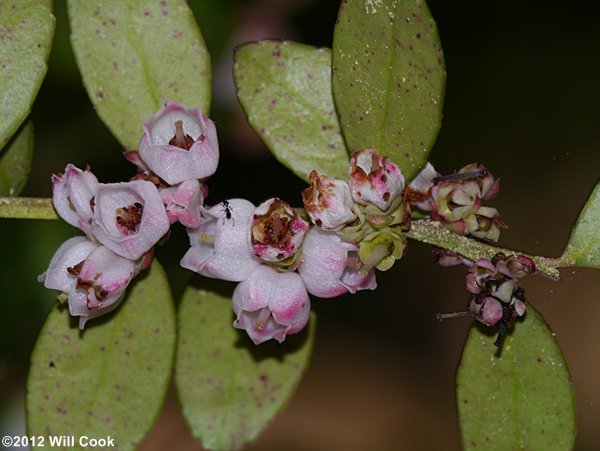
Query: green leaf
x=285, y=90
x=111, y=378
x=26, y=29
x=15, y=161
x=229, y=388
x=136, y=55
x=583, y=248
x=389, y=79
x=520, y=399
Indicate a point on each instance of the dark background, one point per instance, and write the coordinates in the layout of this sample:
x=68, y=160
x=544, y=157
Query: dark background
x=523, y=96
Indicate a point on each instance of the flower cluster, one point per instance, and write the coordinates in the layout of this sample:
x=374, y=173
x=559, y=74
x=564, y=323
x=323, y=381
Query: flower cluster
x=280, y=258
x=496, y=296
x=456, y=200
x=123, y=221
x=369, y=210
x=278, y=255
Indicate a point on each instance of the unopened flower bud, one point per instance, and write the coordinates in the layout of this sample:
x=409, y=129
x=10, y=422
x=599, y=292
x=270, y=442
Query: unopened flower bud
x=73, y=196
x=184, y=203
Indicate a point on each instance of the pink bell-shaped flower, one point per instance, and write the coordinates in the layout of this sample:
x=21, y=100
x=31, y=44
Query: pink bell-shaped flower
x=73, y=196
x=374, y=179
x=221, y=245
x=102, y=278
x=93, y=277
x=271, y=304
x=129, y=218
x=331, y=267
x=328, y=202
x=180, y=144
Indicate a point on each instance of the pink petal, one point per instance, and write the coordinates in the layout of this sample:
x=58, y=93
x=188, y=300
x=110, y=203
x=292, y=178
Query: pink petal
x=72, y=252
x=154, y=221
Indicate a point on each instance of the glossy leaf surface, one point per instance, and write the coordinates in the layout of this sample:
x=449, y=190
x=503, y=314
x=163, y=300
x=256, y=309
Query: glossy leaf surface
x=521, y=398
x=285, y=90
x=229, y=388
x=389, y=79
x=26, y=30
x=110, y=379
x=136, y=55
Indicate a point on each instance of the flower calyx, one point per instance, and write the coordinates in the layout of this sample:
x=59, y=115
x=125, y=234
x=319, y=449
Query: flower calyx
x=369, y=211
x=496, y=296
x=455, y=200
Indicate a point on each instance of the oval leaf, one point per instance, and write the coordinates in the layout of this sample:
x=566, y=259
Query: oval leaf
x=285, y=90
x=15, y=161
x=136, y=55
x=26, y=29
x=111, y=378
x=583, y=248
x=520, y=399
x=389, y=79
x=229, y=388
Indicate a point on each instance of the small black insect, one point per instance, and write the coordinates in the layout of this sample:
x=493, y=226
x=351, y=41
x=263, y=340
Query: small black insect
x=227, y=209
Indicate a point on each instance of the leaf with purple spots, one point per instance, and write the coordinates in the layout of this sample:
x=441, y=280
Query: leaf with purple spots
x=389, y=79
x=111, y=378
x=519, y=397
x=136, y=55
x=285, y=90
x=26, y=30
x=230, y=389
x=583, y=248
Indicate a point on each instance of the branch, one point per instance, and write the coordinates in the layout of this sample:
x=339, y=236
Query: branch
x=27, y=208
x=433, y=232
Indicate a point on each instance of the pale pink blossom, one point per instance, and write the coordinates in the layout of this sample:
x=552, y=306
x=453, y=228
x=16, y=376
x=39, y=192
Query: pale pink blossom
x=180, y=144
x=92, y=276
x=129, y=218
x=271, y=304
x=220, y=246
x=331, y=267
